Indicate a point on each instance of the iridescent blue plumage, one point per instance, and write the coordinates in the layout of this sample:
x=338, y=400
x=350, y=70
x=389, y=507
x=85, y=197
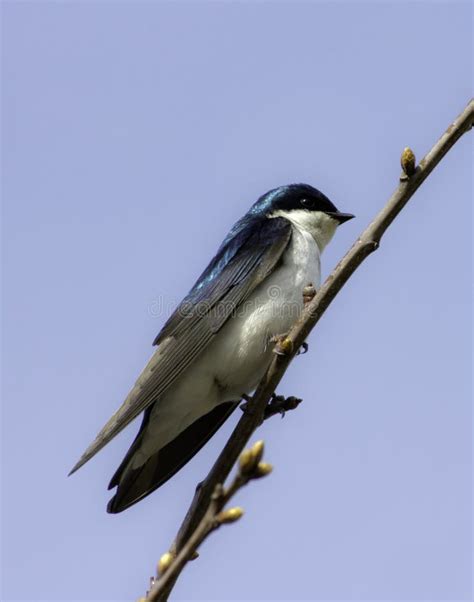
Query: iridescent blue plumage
x=244, y=253
x=283, y=197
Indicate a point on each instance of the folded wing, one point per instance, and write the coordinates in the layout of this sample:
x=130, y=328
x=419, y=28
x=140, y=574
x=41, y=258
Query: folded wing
x=240, y=265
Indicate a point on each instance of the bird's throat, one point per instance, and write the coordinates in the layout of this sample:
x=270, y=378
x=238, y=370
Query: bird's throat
x=317, y=223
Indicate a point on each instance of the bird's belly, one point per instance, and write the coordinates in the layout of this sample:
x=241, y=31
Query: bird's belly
x=235, y=361
x=242, y=351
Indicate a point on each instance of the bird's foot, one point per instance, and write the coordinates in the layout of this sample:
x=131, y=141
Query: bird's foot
x=303, y=349
x=308, y=293
x=279, y=404
x=278, y=338
x=283, y=344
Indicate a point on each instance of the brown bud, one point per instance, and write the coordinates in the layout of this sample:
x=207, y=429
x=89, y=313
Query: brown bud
x=230, y=515
x=246, y=461
x=257, y=451
x=263, y=469
x=165, y=562
x=408, y=161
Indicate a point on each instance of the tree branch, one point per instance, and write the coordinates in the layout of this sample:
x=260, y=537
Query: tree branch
x=412, y=177
x=170, y=566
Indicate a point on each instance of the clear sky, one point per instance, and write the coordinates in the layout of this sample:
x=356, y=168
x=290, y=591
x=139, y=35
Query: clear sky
x=134, y=135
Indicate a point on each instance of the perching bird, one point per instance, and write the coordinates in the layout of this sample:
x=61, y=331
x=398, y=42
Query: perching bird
x=216, y=346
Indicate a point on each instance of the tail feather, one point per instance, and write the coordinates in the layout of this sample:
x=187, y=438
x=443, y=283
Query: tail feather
x=114, y=481
x=136, y=483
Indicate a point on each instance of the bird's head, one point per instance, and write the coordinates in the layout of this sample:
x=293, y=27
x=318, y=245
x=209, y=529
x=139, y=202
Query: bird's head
x=304, y=206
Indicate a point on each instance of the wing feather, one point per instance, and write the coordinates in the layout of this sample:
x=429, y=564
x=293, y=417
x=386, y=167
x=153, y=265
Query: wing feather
x=187, y=333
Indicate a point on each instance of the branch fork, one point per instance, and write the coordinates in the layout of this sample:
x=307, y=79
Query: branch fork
x=171, y=563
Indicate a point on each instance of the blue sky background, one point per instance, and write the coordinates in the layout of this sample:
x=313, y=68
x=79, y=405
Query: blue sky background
x=134, y=135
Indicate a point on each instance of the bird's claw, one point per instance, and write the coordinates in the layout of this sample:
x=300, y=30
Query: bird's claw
x=303, y=349
x=278, y=338
x=279, y=404
x=284, y=345
x=308, y=293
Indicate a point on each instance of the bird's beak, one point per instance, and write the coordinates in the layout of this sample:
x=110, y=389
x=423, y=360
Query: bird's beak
x=341, y=217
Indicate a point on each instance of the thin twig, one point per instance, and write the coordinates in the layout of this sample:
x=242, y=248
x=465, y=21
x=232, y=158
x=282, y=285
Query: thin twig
x=250, y=467
x=366, y=244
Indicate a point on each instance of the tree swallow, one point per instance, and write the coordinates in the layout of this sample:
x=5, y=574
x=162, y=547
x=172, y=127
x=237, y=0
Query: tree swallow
x=216, y=346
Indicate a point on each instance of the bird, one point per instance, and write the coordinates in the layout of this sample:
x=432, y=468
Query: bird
x=216, y=346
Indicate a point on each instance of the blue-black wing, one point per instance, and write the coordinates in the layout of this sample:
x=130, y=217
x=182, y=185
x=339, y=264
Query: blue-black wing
x=248, y=240
x=245, y=259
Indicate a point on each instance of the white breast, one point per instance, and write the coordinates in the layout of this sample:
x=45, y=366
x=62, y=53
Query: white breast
x=243, y=349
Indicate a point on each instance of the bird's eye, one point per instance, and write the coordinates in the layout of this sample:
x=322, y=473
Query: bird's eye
x=307, y=203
